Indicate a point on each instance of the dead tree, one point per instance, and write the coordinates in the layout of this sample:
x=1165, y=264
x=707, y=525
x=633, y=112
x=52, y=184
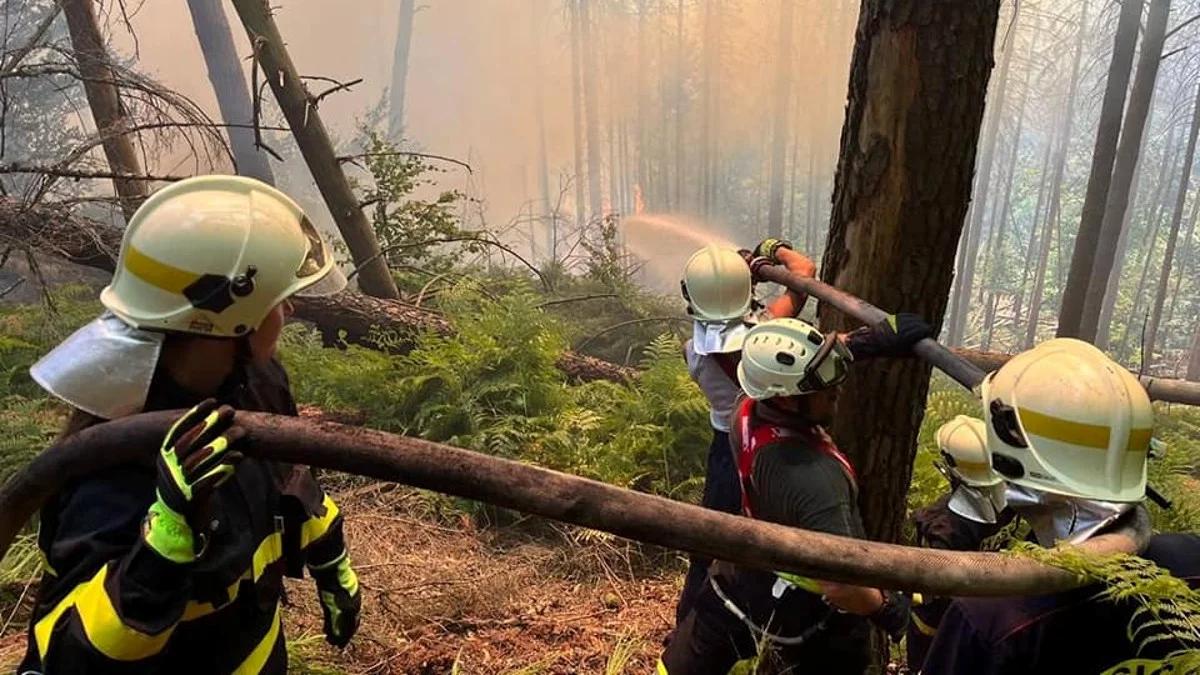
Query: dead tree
x=229, y=85
x=111, y=118
x=300, y=109
x=917, y=84
x=1103, y=156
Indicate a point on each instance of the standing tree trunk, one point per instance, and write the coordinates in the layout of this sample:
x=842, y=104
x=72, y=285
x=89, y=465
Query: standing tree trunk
x=1130, y=148
x=1193, y=369
x=99, y=83
x=1164, y=278
x=917, y=84
x=304, y=119
x=643, y=64
x=969, y=249
x=539, y=116
x=1113, y=288
x=708, y=106
x=679, y=169
x=591, y=107
x=1083, y=257
x=399, y=85
x=229, y=84
x=577, y=110
x=779, y=116
x=1031, y=249
x=1054, y=212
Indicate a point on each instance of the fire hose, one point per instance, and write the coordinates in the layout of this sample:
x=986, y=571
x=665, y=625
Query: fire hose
x=570, y=499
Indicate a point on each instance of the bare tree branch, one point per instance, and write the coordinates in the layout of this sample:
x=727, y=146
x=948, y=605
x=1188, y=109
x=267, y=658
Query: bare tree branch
x=390, y=153
x=66, y=172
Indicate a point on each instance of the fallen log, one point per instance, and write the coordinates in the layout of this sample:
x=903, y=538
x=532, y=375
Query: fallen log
x=563, y=497
x=56, y=231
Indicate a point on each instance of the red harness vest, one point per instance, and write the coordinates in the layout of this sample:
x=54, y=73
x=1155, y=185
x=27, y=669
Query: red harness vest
x=754, y=437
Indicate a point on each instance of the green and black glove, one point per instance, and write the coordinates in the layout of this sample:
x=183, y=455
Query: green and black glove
x=894, y=336
x=769, y=249
x=341, y=600
x=893, y=615
x=198, y=454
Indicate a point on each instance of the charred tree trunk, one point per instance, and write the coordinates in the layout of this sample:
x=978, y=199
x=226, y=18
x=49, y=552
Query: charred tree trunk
x=304, y=119
x=229, y=84
x=779, y=116
x=1083, y=257
x=1130, y=148
x=1164, y=278
x=591, y=108
x=99, y=84
x=577, y=110
x=969, y=250
x=399, y=86
x=917, y=84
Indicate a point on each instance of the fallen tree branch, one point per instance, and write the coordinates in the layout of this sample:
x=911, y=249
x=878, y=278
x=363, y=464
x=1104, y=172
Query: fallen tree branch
x=563, y=497
x=68, y=172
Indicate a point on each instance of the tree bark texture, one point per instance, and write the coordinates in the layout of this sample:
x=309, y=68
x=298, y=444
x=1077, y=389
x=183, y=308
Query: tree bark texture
x=399, y=86
x=1129, y=149
x=1083, y=256
x=969, y=250
x=780, y=119
x=110, y=116
x=1164, y=278
x=229, y=84
x=299, y=107
x=917, y=84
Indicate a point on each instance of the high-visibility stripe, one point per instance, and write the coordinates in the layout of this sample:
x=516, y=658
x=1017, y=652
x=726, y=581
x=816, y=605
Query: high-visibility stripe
x=1078, y=433
x=971, y=466
x=262, y=651
x=922, y=627
x=101, y=624
x=315, y=528
x=269, y=551
x=661, y=669
x=157, y=273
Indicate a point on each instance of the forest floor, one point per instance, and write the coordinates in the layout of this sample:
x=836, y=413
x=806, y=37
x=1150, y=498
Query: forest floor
x=442, y=595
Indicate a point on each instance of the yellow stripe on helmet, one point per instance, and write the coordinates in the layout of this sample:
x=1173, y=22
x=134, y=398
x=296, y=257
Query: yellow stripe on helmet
x=1078, y=433
x=157, y=273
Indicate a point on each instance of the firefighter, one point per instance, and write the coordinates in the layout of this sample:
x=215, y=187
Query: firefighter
x=1070, y=431
x=718, y=287
x=790, y=472
x=176, y=564
x=961, y=520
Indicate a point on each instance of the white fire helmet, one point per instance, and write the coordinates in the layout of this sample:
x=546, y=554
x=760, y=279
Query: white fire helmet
x=1063, y=418
x=212, y=255
x=963, y=444
x=789, y=357
x=717, y=285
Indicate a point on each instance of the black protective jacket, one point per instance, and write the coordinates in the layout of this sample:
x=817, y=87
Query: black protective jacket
x=107, y=603
x=1073, y=632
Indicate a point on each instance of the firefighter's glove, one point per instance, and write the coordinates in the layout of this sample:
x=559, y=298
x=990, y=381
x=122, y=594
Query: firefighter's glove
x=894, y=336
x=198, y=454
x=341, y=599
x=769, y=249
x=893, y=615
x=756, y=266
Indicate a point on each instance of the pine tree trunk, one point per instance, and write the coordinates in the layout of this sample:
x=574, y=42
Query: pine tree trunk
x=304, y=119
x=643, y=105
x=1113, y=288
x=917, y=85
x=968, y=252
x=708, y=104
x=110, y=116
x=591, y=108
x=1083, y=257
x=1193, y=369
x=577, y=110
x=539, y=116
x=1134, y=322
x=1185, y=258
x=1164, y=278
x=679, y=116
x=1039, y=214
x=1128, y=151
x=229, y=84
x=782, y=96
x=399, y=84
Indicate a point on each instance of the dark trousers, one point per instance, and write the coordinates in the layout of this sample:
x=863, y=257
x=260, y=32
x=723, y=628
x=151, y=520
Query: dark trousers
x=721, y=493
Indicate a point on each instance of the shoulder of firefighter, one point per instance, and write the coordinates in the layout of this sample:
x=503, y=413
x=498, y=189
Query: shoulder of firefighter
x=1009, y=635
x=111, y=603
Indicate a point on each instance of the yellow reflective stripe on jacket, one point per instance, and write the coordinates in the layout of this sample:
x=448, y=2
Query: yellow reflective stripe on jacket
x=269, y=551
x=922, y=627
x=262, y=651
x=316, y=527
x=101, y=623
x=661, y=669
